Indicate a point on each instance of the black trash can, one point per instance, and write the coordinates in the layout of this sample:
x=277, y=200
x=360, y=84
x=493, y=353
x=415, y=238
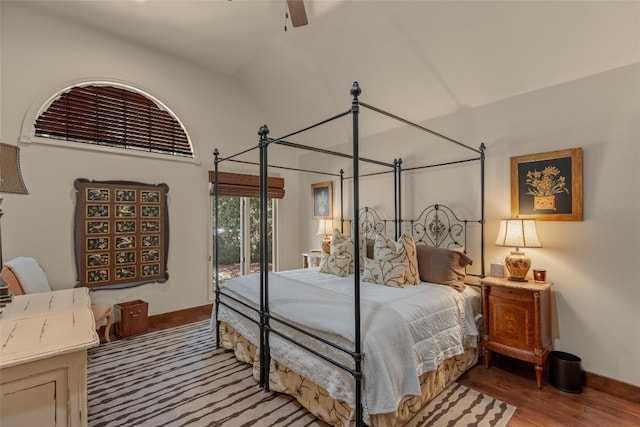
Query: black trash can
x=565, y=372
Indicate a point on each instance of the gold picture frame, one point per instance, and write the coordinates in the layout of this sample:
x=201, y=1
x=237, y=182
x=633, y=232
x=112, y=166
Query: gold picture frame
x=322, y=197
x=547, y=186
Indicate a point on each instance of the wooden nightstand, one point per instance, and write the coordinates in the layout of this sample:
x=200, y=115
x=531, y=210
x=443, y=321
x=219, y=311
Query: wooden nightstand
x=517, y=321
x=311, y=259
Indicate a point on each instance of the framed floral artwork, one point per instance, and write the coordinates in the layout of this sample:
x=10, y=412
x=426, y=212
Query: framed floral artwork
x=322, y=194
x=547, y=186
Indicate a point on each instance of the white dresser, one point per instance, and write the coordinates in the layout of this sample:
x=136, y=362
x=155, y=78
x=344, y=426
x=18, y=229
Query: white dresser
x=43, y=359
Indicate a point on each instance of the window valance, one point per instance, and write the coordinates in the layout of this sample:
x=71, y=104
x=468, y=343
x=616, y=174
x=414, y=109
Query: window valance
x=235, y=184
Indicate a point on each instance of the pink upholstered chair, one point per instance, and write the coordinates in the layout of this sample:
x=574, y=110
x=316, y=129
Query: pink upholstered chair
x=25, y=276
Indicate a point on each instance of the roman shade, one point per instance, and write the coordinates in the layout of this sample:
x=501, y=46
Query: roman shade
x=235, y=184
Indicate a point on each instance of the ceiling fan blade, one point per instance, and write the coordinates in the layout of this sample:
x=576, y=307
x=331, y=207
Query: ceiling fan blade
x=297, y=13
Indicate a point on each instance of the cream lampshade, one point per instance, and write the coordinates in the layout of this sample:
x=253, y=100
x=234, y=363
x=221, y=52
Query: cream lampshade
x=325, y=228
x=518, y=233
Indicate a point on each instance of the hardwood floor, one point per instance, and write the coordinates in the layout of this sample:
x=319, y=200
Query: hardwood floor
x=549, y=407
x=508, y=381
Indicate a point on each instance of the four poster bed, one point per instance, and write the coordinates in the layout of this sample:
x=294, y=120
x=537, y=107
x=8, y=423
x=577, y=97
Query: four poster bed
x=350, y=349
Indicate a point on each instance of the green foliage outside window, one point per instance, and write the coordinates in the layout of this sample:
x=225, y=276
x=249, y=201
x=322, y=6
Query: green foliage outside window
x=229, y=229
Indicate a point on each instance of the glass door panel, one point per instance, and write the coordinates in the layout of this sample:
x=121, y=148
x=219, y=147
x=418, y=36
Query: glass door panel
x=254, y=234
x=239, y=236
x=229, y=238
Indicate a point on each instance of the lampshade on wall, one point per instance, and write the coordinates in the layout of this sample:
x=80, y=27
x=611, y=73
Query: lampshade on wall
x=325, y=228
x=10, y=176
x=518, y=233
x=10, y=182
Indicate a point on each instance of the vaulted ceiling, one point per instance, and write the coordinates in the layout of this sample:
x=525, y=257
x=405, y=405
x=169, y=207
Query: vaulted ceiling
x=419, y=59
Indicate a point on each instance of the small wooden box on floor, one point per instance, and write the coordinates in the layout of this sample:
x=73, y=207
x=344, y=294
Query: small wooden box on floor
x=517, y=321
x=132, y=318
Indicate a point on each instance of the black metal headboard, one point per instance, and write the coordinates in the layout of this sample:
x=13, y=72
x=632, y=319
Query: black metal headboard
x=371, y=223
x=437, y=225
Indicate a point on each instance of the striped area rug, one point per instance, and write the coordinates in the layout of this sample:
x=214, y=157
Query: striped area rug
x=176, y=377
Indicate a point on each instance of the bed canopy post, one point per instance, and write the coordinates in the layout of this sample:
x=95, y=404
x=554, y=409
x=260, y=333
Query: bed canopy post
x=482, y=158
x=357, y=356
x=397, y=196
x=399, y=199
x=264, y=261
x=216, y=244
x=341, y=201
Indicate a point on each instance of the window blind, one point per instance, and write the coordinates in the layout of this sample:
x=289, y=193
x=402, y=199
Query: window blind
x=235, y=184
x=113, y=116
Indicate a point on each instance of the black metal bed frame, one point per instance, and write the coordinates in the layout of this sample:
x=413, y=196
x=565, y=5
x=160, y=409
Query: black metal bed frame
x=429, y=225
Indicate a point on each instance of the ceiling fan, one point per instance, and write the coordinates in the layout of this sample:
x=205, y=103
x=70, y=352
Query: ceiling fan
x=297, y=13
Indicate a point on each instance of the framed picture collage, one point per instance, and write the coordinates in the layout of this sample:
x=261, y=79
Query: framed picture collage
x=121, y=233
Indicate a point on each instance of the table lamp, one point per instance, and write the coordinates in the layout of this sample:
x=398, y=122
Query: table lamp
x=518, y=233
x=325, y=228
x=10, y=182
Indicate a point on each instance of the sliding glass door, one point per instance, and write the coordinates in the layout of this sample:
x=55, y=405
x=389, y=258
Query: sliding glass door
x=238, y=231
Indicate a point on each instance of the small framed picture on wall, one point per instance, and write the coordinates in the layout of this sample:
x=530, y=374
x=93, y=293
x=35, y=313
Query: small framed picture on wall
x=547, y=186
x=322, y=196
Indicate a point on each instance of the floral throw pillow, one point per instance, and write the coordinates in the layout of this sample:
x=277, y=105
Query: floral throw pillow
x=385, y=272
x=342, y=244
x=404, y=250
x=338, y=237
x=337, y=264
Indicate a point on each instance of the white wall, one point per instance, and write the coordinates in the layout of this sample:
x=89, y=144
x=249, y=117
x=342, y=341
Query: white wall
x=40, y=55
x=591, y=263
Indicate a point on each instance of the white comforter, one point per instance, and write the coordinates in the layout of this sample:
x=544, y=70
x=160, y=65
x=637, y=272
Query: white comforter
x=405, y=331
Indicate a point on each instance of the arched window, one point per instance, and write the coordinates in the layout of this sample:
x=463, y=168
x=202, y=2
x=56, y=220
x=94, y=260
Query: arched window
x=113, y=116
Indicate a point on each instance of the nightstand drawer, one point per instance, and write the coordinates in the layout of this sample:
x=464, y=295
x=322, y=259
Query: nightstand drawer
x=510, y=293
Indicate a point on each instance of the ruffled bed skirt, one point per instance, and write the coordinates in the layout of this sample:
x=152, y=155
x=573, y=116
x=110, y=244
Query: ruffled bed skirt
x=336, y=412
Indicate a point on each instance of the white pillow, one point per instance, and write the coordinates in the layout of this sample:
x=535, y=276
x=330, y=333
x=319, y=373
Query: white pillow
x=30, y=275
x=404, y=250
